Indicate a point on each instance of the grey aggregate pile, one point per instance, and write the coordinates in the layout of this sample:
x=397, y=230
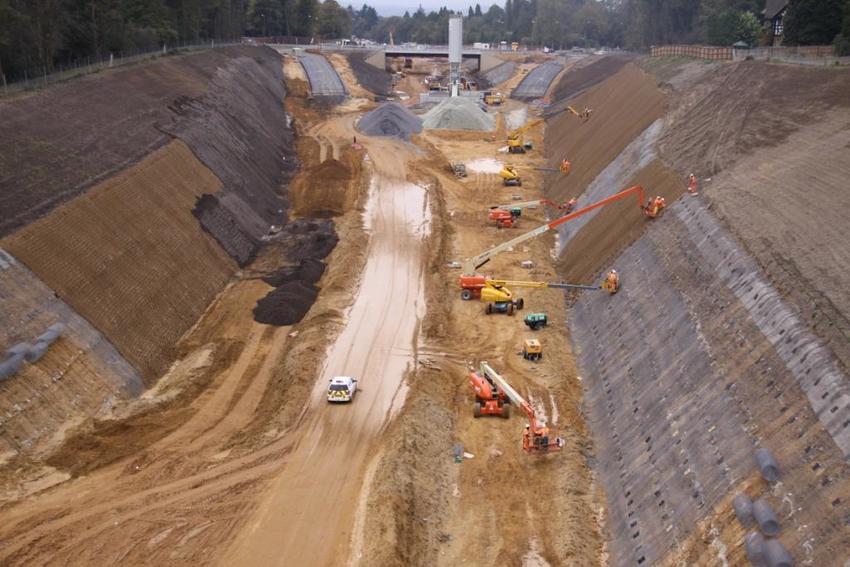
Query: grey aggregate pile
x=390, y=119
x=458, y=113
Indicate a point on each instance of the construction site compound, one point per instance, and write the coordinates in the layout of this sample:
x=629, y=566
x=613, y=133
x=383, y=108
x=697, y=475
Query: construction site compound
x=557, y=346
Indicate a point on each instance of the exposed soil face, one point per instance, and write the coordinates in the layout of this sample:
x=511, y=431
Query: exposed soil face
x=624, y=105
x=727, y=112
x=37, y=172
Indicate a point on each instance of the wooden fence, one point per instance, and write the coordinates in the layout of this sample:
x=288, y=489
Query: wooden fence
x=698, y=51
x=797, y=53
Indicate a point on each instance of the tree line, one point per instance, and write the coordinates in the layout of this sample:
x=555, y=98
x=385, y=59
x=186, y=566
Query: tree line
x=39, y=34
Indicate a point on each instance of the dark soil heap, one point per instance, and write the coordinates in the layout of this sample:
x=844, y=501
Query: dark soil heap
x=287, y=304
x=305, y=242
x=390, y=119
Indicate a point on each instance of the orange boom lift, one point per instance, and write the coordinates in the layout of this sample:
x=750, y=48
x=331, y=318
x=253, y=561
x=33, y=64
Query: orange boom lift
x=493, y=395
x=472, y=284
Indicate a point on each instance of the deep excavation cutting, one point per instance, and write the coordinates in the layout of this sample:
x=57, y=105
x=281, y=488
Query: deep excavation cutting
x=493, y=396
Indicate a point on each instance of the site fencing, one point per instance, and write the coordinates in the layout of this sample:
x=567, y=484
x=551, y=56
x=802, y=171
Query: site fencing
x=697, y=51
x=803, y=55
x=39, y=77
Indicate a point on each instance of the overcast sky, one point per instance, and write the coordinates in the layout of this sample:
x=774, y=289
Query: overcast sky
x=397, y=7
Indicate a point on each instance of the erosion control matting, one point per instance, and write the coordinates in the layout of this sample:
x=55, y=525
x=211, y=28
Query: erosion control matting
x=390, y=119
x=537, y=82
x=58, y=142
x=497, y=75
x=458, y=113
x=376, y=81
x=130, y=257
x=238, y=130
x=689, y=369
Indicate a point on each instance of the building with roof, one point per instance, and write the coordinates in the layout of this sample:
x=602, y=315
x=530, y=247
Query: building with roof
x=774, y=12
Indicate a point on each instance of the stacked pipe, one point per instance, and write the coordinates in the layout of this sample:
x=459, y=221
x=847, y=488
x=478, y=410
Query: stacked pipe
x=29, y=352
x=762, y=549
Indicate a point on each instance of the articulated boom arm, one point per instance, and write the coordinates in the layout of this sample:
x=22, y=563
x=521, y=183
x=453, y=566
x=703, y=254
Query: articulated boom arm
x=536, y=438
x=539, y=285
x=508, y=390
x=526, y=204
x=471, y=264
x=513, y=135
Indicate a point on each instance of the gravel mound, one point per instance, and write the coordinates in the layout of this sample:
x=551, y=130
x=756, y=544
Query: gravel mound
x=458, y=113
x=390, y=119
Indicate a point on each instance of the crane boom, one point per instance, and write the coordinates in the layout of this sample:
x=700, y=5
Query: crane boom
x=539, y=285
x=471, y=264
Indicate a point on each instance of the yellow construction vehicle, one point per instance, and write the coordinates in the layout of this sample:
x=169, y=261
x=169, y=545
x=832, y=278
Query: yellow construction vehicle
x=516, y=143
x=493, y=98
x=532, y=349
x=500, y=299
x=510, y=175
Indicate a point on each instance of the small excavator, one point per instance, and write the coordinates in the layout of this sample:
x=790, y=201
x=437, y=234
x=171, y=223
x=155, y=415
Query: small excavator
x=511, y=178
x=493, y=396
x=473, y=284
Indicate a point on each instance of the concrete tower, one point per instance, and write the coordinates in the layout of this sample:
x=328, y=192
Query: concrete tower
x=455, y=52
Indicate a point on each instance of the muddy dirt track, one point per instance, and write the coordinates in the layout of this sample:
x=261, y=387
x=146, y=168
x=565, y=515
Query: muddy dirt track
x=320, y=482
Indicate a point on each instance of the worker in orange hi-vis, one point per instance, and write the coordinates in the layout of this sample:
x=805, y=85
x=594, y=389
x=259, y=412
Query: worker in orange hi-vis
x=692, y=184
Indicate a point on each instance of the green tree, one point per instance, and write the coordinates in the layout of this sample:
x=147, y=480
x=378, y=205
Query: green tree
x=333, y=21
x=304, y=17
x=748, y=28
x=842, y=42
x=812, y=22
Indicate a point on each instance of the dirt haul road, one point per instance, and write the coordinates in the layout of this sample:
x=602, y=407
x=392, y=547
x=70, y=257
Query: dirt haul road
x=307, y=513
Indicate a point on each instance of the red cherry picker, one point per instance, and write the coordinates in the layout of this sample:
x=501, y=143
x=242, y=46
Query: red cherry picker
x=494, y=396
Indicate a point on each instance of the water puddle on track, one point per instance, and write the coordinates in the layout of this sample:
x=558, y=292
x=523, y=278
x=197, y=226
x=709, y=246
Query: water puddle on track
x=307, y=516
x=484, y=165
